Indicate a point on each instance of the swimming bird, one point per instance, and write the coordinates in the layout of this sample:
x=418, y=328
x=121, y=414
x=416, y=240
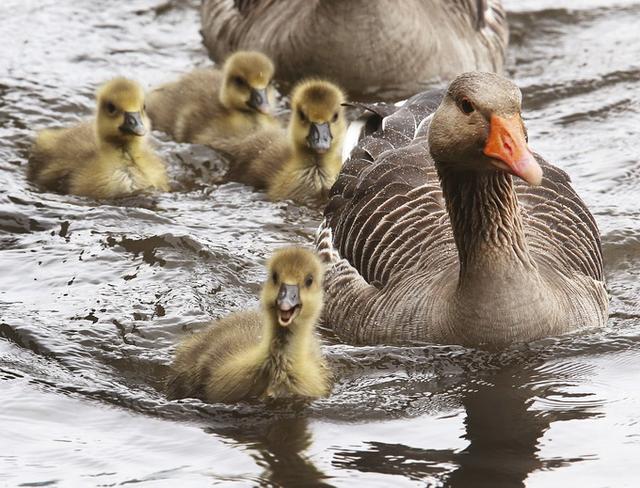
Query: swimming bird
x=372, y=48
x=104, y=158
x=301, y=163
x=209, y=105
x=448, y=229
x=261, y=354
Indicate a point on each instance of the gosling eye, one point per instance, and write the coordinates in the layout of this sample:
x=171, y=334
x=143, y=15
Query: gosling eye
x=239, y=80
x=111, y=108
x=308, y=281
x=466, y=106
x=274, y=277
x=302, y=115
x=335, y=117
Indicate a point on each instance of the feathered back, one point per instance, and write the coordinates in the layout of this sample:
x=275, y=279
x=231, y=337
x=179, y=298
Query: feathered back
x=416, y=42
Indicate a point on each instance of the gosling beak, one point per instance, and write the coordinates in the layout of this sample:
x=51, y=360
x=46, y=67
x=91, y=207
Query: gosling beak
x=319, y=138
x=507, y=146
x=288, y=304
x=133, y=124
x=259, y=101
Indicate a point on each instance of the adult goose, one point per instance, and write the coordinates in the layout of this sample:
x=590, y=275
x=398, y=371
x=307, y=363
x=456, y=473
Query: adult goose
x=448, y=229
x=372, y=48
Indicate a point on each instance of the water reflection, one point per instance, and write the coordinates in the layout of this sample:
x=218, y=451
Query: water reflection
x=502, y=428
x=278, y=445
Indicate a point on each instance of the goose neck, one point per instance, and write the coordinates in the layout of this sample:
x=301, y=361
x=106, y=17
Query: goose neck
x=487, y=225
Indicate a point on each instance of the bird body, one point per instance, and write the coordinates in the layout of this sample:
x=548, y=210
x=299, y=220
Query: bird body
x=372, y=48
x=445, y=228
x=209, y=105
x=105, y=158
x=261, y=354
x=303, y=162
x=56, y=153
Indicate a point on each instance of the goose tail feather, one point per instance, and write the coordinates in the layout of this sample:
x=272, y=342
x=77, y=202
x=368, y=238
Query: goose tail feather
x=324, y=245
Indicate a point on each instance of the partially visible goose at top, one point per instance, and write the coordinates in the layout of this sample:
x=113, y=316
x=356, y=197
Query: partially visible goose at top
x=209, y=105
x=107, y=157
x=449, y=230
x=372, y=48
x=303, y=162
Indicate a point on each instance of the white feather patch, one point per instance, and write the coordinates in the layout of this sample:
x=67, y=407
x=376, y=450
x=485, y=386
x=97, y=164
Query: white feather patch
x=351, y=138
x=421, y=125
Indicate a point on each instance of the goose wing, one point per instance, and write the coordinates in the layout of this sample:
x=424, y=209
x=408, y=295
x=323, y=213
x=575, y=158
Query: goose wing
x=386, y=210
x=561, y=232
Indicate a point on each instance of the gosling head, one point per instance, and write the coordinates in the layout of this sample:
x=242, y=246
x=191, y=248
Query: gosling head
x=317, y=117
x=121, y=117
x=478, y=127
x=247, y=82
x=292, y=295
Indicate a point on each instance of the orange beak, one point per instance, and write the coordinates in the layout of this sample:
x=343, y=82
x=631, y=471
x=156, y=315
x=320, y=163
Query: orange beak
x=506, y=144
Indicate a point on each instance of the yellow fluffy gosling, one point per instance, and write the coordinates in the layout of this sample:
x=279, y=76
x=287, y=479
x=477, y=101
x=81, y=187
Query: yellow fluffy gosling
x=302, y=163
x=268, y=353
x=209, y=106
x=105, y=158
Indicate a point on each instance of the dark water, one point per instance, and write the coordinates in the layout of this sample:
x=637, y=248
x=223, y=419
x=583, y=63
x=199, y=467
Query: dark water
x=94, y=298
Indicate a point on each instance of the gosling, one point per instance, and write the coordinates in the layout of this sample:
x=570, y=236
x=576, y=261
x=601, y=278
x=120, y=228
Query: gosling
x=302, y=163
x=269, y=353
x=209, y=106
x=104, y=158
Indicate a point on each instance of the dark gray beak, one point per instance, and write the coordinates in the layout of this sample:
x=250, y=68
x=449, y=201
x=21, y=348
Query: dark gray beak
x=319, y=138
x=259, y=101
x=288, y=297
x=133, y=124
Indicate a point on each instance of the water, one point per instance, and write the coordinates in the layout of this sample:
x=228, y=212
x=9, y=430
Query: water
x=94, y=298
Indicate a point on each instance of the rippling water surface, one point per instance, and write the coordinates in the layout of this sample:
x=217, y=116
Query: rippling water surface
x=93, y=298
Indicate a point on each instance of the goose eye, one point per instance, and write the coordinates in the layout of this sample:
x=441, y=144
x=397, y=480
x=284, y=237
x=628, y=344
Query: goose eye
x=111, y=108
x=302, y=116
x=274, y=277
x=239, y=80
x=308, y=281
x=466, y=106
x=335, y=117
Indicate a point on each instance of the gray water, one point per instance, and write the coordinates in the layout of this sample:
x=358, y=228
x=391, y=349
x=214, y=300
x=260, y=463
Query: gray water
x=93, y=298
